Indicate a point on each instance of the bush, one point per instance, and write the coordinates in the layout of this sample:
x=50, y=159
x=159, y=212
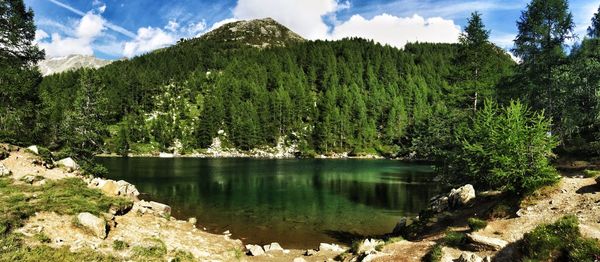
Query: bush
x=591, y=173
x=560, y=241
x=476, y=224
x=454, y=239
x=506, y=148
x=434, y=255
x=119, y=245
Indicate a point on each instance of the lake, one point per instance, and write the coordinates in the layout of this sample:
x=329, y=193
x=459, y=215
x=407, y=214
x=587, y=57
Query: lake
x=298, y=203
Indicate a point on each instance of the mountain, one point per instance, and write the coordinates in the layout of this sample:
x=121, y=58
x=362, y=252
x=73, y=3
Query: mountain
x=60, y=64
x=259, y=33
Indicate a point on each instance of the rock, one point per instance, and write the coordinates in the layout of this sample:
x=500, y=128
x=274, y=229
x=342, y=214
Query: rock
x=438, y=204
x=31, y=230
x=93, y=223
x=368, y=246
x=468, y=257
x=4, y=171
x=273, y=247
x=310, y=252
x=461, y=197
x=69, y=164
x=153, y=207
x=34, y=149
x=124, y=188
x=192, y=220
x=487, y=259
x=109, y=187
x=401, y=225
x=29, y=179
x=255, y=250
x=299, y=259
x=330, y=247
x=479, y=242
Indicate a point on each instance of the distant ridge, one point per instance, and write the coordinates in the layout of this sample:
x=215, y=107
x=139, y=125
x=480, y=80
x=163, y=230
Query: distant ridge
x=57, y=65
x=260, y=33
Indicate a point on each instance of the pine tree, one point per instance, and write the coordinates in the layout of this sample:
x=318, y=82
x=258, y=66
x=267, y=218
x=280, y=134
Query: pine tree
x=543, y=29
x=594, y=29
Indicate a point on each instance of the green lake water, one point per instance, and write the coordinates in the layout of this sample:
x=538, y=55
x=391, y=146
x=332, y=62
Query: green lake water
x=298, y=203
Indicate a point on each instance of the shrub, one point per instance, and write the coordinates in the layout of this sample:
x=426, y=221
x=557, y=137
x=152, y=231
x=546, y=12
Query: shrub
x=506, y=148
x=591, y=173
x=434, y=254
x=153, y=250
x=559, y=241
x=476, y=224
x=119, y=245
x=454, y=239
x=43, y=238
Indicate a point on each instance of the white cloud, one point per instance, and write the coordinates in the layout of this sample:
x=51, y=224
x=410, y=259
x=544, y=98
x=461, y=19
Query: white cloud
x=397, y=31
x=301, y=16
x=40, y=35
x=172, y=25
x=195, y=29
x=88, y=29
x=100, y=6
x=222, y=22
x=147, y=39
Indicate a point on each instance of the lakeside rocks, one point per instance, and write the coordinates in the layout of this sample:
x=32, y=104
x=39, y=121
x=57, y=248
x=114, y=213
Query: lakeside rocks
x=4, y=171
x=69, y=164
x=461, y=196
x=330, y=247
x=151, y=207
x=115, y=188
x=255, y=250
x=483, y=243
x=93, y=223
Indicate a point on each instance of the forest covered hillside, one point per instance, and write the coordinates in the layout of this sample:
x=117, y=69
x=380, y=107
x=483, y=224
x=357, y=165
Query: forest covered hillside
x=351, y=95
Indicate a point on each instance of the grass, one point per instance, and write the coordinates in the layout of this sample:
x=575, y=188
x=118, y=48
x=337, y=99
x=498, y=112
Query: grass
x=476, y=224
x=454, y=239
x=13, y=249
x=182, y=256
x=560, y=241
x=153, y=250
x=43, y=238
x=434, y=254
x=119, y=245
x=591, y=173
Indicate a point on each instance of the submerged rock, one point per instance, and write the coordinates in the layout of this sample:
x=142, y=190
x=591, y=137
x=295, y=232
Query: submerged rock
x=93, y=223
x=461, y=196
x=4, y=171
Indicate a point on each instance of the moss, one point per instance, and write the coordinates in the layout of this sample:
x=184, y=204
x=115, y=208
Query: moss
x=560, y=241
x=434, y=254
x=476, y=224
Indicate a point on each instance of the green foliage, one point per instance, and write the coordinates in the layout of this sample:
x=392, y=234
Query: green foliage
x=119, y=245
x=506, y=148
x=560, y=241
x=434, y=255
x=476, y=223
x=454, y=239
x=152, y=250
x=591, y=173
x=594, y=29
x=43, y=238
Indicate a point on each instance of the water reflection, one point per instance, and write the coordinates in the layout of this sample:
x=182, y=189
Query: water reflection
x=295, y=202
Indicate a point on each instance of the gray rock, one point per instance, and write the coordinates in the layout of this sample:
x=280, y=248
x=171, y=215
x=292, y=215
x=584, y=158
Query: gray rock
x=438, y=204
x=255, y=250
x=479, y=242
x=461, y=196
x=310, y=252
x=153, y=207
x=69, y=164
x=4, y=171
x=124, y=188
x=330, y=247
x=273, y=247
x=34, y=149
x=468, y=257
x=368, y=246
x=93, y=223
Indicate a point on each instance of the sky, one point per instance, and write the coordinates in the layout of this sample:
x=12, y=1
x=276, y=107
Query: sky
x=113, y=29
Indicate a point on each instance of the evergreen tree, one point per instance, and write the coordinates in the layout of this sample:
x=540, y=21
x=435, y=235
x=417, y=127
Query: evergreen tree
x=594, y=29
x=543, y=29
x=18, y=76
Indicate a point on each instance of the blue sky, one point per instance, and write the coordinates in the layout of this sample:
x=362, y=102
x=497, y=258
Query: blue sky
x=112, y=29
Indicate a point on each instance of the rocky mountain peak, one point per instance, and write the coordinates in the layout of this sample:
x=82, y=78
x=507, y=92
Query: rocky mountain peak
x=261, y=33
x=56, y=65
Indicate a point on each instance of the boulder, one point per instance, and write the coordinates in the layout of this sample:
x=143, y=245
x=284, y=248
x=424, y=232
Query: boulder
x=368, y=246
x=93, y=223
x=273, y=247
x=401, y=225
x=34, y=149
x=461, y=196
x=479, y=242
x=469, y=257
x=330, y=247
x=109, y=187
x=124, y=188
x=153, y=207
x=4, y=171
x=255, y=250
x=438, y=204
x=69, y=164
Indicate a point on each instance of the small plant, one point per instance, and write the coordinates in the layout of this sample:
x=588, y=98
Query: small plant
x=119, y=245
x=153, y=249
x=238, y=253
x=43, y=238
x=476, y=224
x=434, y=254
x=454, y=239
x=182, y=256
x=591, y=173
